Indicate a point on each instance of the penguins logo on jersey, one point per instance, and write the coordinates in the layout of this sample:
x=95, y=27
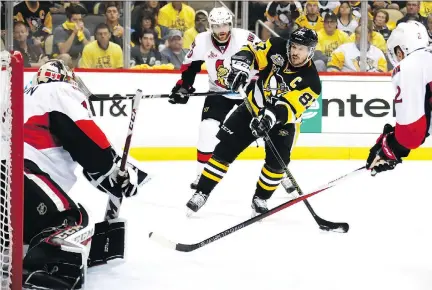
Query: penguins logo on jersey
x=274, y=86
x=221, y=73
x=369, y=63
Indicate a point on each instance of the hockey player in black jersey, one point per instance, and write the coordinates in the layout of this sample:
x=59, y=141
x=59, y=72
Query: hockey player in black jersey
x=286, y=85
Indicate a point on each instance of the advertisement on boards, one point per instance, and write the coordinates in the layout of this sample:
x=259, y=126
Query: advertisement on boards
x=348, y=104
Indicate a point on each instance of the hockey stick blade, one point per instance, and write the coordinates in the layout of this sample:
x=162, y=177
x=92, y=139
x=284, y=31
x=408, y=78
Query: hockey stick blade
x=335, y=226
x=191, y=247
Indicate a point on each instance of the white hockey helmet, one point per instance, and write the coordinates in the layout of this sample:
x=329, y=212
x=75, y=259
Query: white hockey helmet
x=221, y=21
x=408, y=36
x=54, y=71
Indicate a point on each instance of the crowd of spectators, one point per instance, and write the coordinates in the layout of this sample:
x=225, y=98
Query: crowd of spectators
x=337, y=24
x=90, y=34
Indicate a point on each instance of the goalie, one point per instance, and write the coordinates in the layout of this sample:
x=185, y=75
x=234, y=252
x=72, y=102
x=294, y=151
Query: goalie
x=58, y=135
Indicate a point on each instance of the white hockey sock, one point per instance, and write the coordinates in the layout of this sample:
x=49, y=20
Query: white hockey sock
x=207, y=141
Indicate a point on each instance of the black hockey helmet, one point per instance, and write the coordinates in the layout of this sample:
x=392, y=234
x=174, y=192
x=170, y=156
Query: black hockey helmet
x=304, y=36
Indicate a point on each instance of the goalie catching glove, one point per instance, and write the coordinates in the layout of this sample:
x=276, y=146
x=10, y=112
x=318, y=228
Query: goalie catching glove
x=386, y=153
x=113, y=182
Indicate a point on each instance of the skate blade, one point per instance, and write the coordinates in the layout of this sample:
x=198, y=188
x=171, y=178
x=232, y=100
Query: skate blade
x=254, y=214
x=189, y=212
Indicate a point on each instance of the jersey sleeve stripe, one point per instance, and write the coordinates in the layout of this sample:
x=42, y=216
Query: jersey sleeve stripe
x=93, y=132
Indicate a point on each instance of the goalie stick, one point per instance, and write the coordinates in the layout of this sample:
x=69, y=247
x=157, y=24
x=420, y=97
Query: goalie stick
x=191, y=247
x=113, y=206
x=114, y=203
x=323, y=224
x=120, y=98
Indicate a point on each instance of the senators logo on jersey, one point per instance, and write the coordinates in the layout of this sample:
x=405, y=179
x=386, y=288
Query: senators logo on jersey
x=222, y=73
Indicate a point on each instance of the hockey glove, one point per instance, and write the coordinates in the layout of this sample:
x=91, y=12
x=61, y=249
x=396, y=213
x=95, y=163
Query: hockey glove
x=239, y=73
x=386, y=153
x=263, y=123
x=117, y=184
x=177, y=95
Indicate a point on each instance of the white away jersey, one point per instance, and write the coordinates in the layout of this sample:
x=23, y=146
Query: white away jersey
x=412, y=80
x=58, y=107
x=217, y=61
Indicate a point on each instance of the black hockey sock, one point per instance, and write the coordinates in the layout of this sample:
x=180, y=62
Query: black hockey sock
x=268, y=182
x=212, y=174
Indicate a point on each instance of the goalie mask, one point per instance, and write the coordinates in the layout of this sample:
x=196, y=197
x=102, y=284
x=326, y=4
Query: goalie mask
x=54, y=71
x=221, y=23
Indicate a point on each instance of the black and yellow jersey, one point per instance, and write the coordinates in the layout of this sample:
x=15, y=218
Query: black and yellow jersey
x=291, y=90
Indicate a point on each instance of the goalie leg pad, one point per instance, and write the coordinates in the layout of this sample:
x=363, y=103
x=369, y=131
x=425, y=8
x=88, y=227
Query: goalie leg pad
x=49, y=266
x=58, y=254
x=108, y=242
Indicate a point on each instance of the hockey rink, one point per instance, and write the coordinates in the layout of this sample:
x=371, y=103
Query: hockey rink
x=389, y=245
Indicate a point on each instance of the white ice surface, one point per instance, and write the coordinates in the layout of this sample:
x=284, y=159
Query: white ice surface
x=389, y=245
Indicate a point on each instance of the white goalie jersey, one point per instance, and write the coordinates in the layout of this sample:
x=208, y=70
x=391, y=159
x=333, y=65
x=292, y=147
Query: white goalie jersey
x=412, y=80
x=59, y=133
x=216, y=58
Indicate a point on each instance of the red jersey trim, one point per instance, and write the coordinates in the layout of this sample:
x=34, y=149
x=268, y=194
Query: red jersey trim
x=37, y=134
x=92, y=131
x=411, y=136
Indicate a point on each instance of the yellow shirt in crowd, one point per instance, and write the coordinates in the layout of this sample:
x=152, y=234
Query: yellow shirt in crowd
x=377, y=40
x=189, y=37
x=95, y=57
x=302, y=21
x=328, y=43
x=174, y=19
x=425, y=8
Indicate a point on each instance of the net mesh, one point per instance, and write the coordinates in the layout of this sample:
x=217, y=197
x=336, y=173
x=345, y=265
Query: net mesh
x=5, y=170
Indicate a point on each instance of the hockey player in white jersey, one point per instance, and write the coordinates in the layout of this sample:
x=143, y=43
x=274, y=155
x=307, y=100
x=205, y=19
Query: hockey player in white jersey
x=59, y=134
x=412, y=80
x=215, y=48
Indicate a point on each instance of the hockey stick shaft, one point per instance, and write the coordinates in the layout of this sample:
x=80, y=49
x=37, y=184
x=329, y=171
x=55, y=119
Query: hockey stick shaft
x=321, y=222
x=191, y=247
x=161, y=96
x=113, y=207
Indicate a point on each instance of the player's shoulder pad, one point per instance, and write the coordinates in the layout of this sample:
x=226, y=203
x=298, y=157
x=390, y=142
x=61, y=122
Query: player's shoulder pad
x=67, y=90
x=311, y=78
x=278, y=44
x=202, y=37
x=245, y=35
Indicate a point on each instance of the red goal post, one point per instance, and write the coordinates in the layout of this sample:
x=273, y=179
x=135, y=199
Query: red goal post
x=11, y=169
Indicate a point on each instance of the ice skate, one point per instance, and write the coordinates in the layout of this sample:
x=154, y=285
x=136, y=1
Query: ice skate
x=195, y=203
x=289, y=188
x=194, y=184
x=259, y=206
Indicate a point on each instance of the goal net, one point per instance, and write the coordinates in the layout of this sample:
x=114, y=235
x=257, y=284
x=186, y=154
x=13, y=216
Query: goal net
x=11, y=170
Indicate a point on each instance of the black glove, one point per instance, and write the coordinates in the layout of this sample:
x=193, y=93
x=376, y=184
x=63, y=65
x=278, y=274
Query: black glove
x=112, y=182
x=263, y=123
x=239, y=73
x=178, y=94
x=386, y=153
